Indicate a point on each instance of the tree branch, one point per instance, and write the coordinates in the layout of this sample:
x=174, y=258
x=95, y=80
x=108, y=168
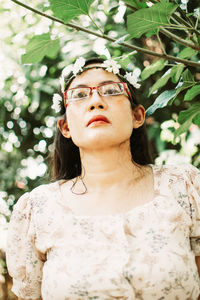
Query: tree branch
x=171, y=35
x=183, y=14
x=133, y=47
x=179, y=40
x=181, y=20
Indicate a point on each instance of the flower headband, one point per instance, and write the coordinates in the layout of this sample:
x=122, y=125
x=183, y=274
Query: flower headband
x=78, y=67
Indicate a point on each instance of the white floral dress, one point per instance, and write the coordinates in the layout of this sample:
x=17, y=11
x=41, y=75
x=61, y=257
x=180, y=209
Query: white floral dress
x=146, y=253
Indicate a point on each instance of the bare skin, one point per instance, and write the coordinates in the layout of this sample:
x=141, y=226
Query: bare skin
x=116, y=199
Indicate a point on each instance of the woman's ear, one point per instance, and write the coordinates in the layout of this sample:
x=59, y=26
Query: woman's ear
x=138, y=116
x=63, y=127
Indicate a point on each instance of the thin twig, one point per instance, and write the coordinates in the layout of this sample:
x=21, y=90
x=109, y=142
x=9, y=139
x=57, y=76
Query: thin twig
x=133, y=47
x=173, y=36
x=178, y=39
x=95, y=24
x=183, y=14
x=161, y=44
x=181, y=20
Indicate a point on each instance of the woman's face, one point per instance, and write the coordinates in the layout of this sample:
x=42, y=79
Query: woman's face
x=116, y=109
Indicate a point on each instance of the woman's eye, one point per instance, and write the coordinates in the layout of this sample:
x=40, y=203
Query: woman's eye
x=111, y=91
x=81, y=94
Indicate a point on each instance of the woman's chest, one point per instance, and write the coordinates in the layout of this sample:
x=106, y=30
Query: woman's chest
x=147, y=252
x=155, y=225
x=117, y=200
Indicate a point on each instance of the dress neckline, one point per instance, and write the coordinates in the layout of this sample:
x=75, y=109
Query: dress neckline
x=123, y=214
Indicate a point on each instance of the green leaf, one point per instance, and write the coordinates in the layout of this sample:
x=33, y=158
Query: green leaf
x=186, y=117
x=151, y=32
x=178, y=69
x=161, y=101
x=153, y=68
x=67, y=10
x=124, y=62
x=162, y=81
x=40, y=46
x=189, y=113
x=136, y=3
x=188, y=77
x=151, y=18
x=187, y=53
x=190, y=14
x=196, y=120
x=188, y=81
x=191, y=93
x=181, y=88
x=183, y=128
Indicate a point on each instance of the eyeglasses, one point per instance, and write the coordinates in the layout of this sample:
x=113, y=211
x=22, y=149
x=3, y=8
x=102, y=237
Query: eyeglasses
x=105, y=90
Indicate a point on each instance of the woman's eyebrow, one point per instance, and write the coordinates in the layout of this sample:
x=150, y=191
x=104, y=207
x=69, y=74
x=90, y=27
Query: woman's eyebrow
x=100, y=83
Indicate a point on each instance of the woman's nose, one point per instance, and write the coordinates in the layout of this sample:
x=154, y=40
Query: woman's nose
x=96, y=101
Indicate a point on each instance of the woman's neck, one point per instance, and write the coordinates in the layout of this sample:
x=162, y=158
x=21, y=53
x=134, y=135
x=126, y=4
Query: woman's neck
x=108, y=168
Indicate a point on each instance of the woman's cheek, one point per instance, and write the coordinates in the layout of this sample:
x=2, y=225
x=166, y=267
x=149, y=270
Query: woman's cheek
x=76, y=128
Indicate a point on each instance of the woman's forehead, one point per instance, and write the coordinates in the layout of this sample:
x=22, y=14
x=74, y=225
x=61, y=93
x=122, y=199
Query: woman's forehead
x=93, y=77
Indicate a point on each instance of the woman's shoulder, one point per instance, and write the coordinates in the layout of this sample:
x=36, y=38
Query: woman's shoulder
x=182, y=178
x=38, y=196
x=179, y=170
x=43, y=189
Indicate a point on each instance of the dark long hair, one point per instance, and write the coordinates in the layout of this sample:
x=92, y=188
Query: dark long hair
x=66, y=156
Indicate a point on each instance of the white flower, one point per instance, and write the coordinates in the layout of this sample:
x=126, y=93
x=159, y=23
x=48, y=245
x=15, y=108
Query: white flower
x=57, y=99
x=111, y=66
x=65, y=73
x=79, y=63
x=130, y=77
x=67, y=70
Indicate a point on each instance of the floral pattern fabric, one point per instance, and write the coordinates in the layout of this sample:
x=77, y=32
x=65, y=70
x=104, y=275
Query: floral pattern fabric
x=147, y=253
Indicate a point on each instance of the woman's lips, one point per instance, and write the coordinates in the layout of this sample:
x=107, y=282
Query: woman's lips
x=98, y=120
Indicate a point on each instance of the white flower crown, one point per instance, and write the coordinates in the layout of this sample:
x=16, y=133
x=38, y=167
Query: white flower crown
x=109, y=65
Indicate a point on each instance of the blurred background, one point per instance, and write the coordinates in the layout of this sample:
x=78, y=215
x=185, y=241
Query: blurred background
x=27, y=121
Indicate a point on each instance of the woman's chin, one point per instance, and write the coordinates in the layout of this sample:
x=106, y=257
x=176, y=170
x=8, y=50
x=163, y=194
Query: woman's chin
x=100, y=142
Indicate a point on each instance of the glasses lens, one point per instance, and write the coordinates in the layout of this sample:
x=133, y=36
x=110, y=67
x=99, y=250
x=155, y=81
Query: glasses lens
x=78, y=93
x=111, y=89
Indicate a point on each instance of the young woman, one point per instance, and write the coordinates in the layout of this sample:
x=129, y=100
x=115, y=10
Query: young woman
x=112, y=225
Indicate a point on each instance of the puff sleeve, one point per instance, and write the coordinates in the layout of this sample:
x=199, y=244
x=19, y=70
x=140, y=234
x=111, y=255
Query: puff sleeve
x=193, y=187
x=24, y=262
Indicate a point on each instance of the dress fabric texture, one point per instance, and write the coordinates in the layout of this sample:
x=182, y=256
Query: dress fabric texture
x=147, y=253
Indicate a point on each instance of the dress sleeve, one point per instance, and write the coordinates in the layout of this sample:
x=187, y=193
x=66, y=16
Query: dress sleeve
x=23, y=260
x=193, y=186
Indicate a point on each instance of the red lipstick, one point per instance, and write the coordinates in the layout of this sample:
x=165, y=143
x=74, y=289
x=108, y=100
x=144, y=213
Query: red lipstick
x=99, y=119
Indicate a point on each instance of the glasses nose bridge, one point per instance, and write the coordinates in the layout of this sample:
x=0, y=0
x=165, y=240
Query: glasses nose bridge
x=92, y=89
